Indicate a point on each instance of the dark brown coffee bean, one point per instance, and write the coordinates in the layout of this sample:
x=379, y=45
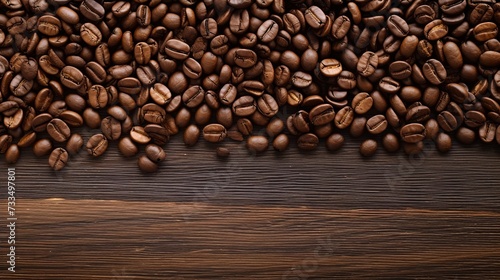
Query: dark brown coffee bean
x=434, y=71
x=322, y=114
x=344, y=117
x=139, y=135
x=390, y=142
x=419, y=113
x=58, y=130
x=315, y=17
x=397, y=26
x=267, y=105
x=443, y=142
x=97, y=145
x=49, y=25
x=244, y=106
x=367, y=64
x=281, y=142
x=268, y=31
x=413, y=133
x=389, y=85
x=58, y=159
x=222, y=152
x=362, y=103
x=12, y=154
x=307, y=142
x=5, y=142
x=487, y=132
x=485, y=31
x=72, y=78
x=453, y=55
x=155, y=153
x=146, y=165
x=214, y=133
x=474, y=118
x=330, y=67
x=193, y=96
x=400, y=70
x=257, y=144
x=447, y=121
x=177, y=49
x=334, y=142
x=368, y=148
x=244, y=58
x=435, y=30
x=90, y=34
x=92, y=10
x=376, y=124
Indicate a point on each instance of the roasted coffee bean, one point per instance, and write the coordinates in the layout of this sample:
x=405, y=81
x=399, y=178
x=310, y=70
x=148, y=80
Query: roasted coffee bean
x=390, y=142
x=72, y=78
x=268, y=31
x=146, y=165
x=222, y=152
x=90, y=34
x=139, y=135
x=155, y=153
x=257, y=144
x=413, y=133
x=58, y=159
x=376, y=124
x=330, y=67
x=447, y=121
x=307, y=142
x=443, y=142
x=12, y=154
x=214, y=133
x=58, y=130
x=474, y=118
x=435, y=30
x=322, y=114
x=400, y=70
x=281, y=142
x=74, y=144
x=362, y=103
x=368, y=148
x=97, y=145
x=315, y=17
x=434, y=71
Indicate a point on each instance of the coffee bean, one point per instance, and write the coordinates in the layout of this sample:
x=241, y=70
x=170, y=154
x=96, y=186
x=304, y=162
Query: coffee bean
x=146, y=165
x=413, y=133
x=155, y=153
x=434, y=71
x=244, y=106
x=58, y=130
x=12, y=154
x=42, y=147
x=376, y=124
x=268, y=31
x=315, y=17
x=257, y=144
x=214, y=133
x=74, y=144
x=390, y=142
x=330, y=67
x=443, y=142
x=435, y=30
x=368, y=148
x=222, y=152
x=307, y=142
x=58, y=159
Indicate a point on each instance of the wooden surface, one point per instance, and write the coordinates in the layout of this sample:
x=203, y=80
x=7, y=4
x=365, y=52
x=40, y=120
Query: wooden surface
x=316, y=215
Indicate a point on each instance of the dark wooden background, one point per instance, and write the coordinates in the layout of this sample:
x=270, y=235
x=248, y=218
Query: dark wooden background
x=294, y=215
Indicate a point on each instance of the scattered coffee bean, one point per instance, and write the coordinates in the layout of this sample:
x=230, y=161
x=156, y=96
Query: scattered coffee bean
x=141, y=73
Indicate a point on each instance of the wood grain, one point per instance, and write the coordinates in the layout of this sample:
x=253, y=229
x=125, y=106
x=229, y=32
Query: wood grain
x=318, y=215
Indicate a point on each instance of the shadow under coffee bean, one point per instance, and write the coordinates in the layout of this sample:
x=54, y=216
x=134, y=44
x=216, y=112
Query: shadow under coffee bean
x=394, y=72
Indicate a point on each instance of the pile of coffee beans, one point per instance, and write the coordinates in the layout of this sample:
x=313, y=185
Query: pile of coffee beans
x=268, y=72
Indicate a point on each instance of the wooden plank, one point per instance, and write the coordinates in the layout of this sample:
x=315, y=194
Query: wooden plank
x=295, y=215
